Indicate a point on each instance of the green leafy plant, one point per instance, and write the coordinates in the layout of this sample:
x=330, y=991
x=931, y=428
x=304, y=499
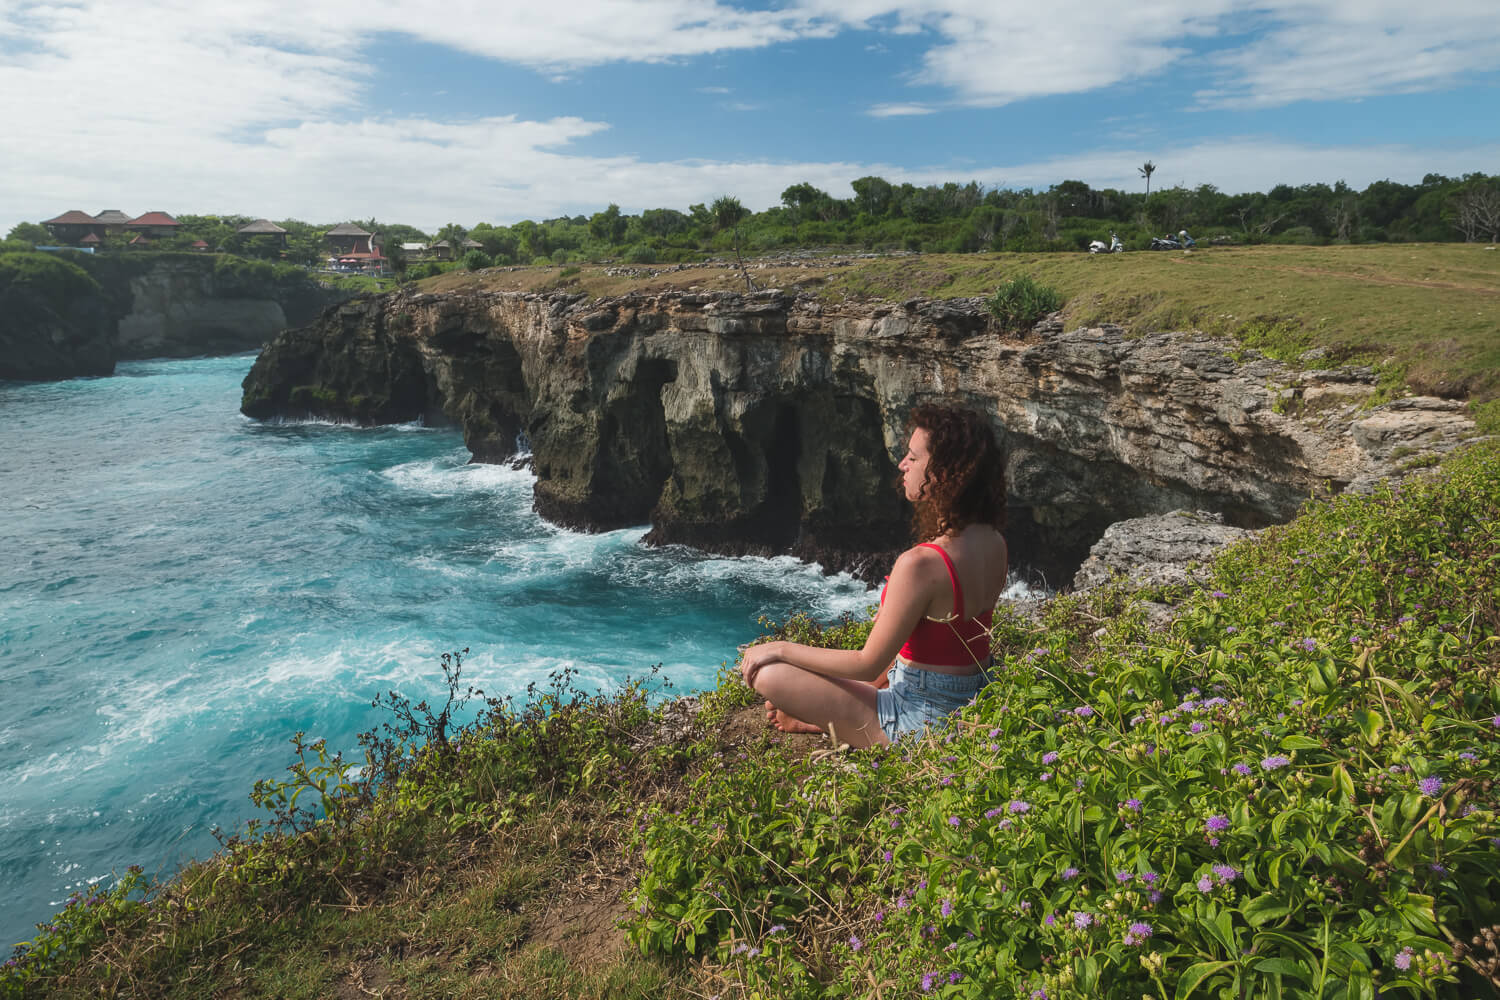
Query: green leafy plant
x=1021, y=302
x=1289, y=793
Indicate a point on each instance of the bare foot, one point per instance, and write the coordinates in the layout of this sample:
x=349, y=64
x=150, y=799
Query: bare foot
x=788, y=724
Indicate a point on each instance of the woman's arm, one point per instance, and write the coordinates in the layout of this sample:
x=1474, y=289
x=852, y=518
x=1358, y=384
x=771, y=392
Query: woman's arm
x=907, y=597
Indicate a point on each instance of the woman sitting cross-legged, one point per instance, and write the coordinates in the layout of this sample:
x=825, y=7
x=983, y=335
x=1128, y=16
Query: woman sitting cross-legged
x=935, y=611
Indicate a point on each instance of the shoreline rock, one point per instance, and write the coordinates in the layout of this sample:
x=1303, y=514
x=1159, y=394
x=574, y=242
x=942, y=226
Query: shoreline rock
x=766, y=423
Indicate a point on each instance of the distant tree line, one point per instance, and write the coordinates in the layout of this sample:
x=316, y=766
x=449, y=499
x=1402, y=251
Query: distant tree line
x=965, y=218
x=947, y=218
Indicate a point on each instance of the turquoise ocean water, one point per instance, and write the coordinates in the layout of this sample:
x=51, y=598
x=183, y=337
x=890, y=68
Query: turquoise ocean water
x=181, y=589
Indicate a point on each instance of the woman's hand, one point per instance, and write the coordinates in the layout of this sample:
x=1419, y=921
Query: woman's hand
x=756, y=657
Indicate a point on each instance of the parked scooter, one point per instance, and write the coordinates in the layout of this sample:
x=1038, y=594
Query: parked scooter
x=1115, y=246
x=1182, y=241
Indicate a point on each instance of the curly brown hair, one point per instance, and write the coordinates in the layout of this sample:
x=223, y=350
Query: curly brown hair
x=965, y=474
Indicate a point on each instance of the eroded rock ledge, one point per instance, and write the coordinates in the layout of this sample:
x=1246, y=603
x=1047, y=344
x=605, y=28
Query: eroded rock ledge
x=768, y=423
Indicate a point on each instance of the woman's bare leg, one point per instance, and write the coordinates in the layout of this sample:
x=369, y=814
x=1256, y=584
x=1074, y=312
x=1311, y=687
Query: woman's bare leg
x=787, y=723
x=845, y=707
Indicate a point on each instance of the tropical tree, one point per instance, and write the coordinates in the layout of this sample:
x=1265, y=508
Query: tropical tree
x=727, y=214
x=1146, y=170
x=30, y=232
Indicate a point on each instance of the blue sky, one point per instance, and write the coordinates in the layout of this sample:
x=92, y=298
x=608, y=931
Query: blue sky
x=471, y=111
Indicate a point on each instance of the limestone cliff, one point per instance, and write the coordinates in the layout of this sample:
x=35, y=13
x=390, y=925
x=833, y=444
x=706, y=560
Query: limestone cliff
x=766, y=423
x=150, y=306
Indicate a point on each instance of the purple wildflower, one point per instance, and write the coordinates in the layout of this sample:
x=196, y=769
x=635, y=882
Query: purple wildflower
x=1205, y=884
x=1083, y=711
x=1226, y=873
x=1138, y=933
x=955, y=976
x=1196, y=727
x=886, y=857
x=927, y=982
x=1495, y=722
x=855, y=943
x=1274, y=761
x=947, y=908
x=1082, y=920
x=1309, y=644
x=1134, y=805
x=1050, y=920
x=1049, y=757
x=992, y=813
x=775, y=929
x=1070, y=873
x=953, y=820
x=1402, y=960
x=1019, y=806
x=1150, y=878
x=1242, y=769
x=945, y=780
x=1038, y=995
x=1214, y=823
x=1123, y=877
x=1430, y=786
x=1218, y=593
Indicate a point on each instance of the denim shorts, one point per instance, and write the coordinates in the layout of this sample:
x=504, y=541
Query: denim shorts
x=918, y=699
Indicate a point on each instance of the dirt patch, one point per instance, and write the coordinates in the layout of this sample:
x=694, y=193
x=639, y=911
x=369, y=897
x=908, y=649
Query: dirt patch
x=365, y=978
x=587, y=930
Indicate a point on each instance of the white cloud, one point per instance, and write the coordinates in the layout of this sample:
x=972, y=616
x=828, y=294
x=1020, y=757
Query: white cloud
x=899, y=110
x=1349, y=51
x=1249, y=164
x=261, y=106
x=1264, y=53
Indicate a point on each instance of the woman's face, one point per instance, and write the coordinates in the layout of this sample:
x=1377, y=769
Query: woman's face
x=914, y=465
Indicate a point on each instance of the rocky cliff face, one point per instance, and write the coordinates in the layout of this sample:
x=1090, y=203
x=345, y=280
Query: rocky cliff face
x=765, y=423
x=150, y=306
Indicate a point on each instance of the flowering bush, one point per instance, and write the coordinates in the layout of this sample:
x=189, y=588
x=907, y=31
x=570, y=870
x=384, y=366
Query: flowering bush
x=1288, y=793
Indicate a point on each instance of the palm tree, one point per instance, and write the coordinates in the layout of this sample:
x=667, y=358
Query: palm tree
x=1146, y=170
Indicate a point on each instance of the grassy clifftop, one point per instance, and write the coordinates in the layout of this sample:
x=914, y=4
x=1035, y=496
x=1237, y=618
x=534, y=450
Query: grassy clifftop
x=1430, y=312
x=1288, y=792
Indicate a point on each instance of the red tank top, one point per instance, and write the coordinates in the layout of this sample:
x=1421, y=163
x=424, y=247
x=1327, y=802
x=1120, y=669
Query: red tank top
x=949, y=642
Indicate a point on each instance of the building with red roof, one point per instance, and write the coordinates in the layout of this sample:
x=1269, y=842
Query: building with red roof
x=73, y=226
x=154, y=224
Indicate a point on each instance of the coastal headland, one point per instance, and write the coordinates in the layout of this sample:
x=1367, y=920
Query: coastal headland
x=1273, y=778
x=770, y=421
x=74, y=316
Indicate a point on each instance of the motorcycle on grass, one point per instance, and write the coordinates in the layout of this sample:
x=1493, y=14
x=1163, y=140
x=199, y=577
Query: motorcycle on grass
x=1115, y=246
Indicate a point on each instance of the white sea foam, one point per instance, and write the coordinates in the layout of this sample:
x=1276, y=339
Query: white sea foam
x=352, y=425
x=451, y=475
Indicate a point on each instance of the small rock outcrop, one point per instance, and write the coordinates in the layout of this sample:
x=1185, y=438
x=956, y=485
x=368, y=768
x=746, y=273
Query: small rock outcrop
x=768, y=423
x=1162, y=550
